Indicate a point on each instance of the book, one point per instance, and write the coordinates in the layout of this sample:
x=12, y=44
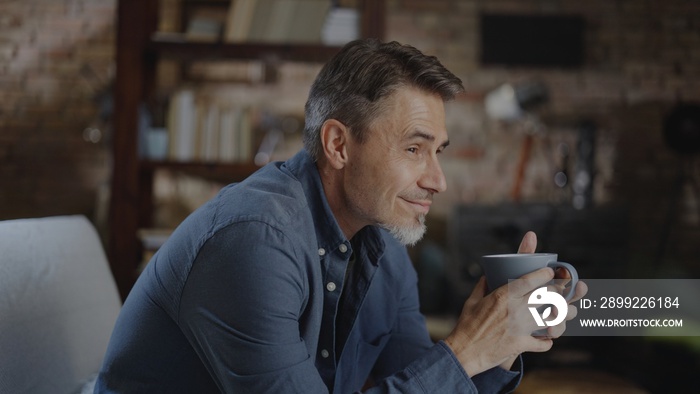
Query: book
x=182, y=125
x=261, y=20
x=205, y=25
x=239, y=20
x=199, y=110
x=203, y=30
x=228, y=141
x=245, y=135
x=281, y=21
x=211, y=133
x=307, y=21
x=341, y=26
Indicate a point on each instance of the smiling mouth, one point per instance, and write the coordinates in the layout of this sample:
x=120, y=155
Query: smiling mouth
x=423, y=206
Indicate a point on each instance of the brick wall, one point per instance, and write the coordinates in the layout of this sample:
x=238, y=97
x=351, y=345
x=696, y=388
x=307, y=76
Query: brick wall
x=640, y=57
x=56, y=56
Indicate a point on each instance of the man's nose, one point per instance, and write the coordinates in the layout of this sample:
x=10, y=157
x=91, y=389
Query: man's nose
x=433, y=179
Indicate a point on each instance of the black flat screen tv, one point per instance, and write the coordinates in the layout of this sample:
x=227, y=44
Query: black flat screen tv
x=532, y=40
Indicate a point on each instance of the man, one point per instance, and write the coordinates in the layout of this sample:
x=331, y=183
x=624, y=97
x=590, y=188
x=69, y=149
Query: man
x=297, y=281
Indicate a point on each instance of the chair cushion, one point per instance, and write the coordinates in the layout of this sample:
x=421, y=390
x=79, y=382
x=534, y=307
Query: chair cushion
x=58, y=304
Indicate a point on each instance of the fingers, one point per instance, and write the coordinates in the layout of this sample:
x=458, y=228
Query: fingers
x=562, y=277
x=571, y=312
x=556, y=331
x=580, y=292
x=529, y=243
x=562, y=273
x=539, y=344
x=522, y=288
x=495, y=326
x=527, y=283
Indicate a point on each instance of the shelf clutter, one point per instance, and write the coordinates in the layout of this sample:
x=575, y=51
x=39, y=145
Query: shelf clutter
x=199, y=129
x=273, y=21
x=164, y=49
x=342, y=25
x=204, y=129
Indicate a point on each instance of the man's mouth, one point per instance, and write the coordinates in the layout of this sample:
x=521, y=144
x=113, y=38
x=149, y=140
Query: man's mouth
x=421, y=205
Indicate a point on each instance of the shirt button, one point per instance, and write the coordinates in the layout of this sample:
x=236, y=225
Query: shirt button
x=343, y=248
x=321, y=252
x=330, y=286
x=324, y=353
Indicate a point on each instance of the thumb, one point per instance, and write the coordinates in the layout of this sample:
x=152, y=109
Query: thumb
x=529, y=243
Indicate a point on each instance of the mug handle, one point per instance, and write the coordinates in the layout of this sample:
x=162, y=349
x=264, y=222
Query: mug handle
x=574, y=276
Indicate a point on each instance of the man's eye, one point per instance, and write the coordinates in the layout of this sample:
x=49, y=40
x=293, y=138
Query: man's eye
x=412, y=150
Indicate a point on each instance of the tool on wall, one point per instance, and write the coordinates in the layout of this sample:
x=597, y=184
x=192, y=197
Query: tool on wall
x=514, y=103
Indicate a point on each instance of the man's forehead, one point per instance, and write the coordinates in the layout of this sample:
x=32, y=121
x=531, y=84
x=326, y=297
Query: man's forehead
x=412, y=105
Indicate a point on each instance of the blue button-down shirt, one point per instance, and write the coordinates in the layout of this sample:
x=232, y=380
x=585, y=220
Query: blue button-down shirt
x=252, y=293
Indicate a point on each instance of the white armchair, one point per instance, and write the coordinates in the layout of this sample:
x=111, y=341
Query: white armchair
x=58, y=304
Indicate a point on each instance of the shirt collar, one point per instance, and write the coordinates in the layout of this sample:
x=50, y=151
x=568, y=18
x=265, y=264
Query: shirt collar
x=328, y=232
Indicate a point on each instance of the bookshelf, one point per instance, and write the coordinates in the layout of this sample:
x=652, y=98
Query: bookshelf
x=137, y=55
x=219, y=172
x=185, y=51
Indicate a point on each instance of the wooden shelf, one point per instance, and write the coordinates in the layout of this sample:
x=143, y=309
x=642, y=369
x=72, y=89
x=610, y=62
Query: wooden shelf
x=218, y=172
x=188, y=51
x=139, y=48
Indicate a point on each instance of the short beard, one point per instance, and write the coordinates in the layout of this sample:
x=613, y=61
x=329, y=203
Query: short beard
x=407, y=235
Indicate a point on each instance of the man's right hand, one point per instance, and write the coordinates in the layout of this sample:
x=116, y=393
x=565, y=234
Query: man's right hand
x=494, y=328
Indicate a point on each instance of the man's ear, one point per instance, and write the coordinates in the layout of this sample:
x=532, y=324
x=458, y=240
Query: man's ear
x=334, y=139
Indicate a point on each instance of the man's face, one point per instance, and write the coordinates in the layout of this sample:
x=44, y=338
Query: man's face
x=391, y=177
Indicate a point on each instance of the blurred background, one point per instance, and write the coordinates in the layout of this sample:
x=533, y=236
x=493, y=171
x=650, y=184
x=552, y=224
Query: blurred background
x=580, y=121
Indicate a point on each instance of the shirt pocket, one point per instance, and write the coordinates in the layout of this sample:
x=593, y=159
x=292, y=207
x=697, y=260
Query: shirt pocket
x=366, y=356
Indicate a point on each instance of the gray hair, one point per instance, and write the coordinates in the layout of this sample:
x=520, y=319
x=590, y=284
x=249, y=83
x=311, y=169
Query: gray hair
x=351, y=86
